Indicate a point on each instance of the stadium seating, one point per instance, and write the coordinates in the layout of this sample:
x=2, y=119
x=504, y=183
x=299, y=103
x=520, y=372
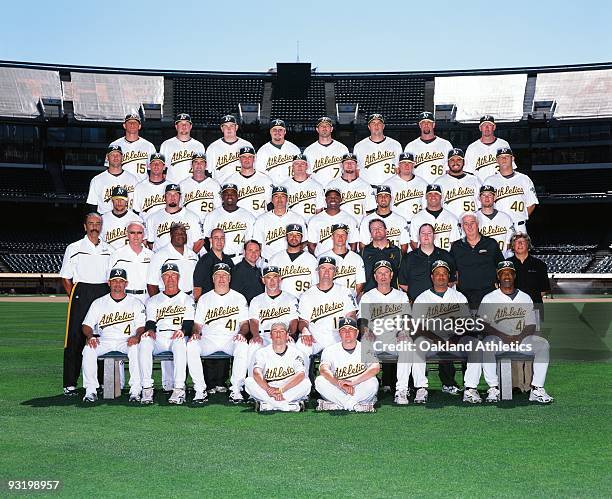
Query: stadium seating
x=568, y=181
x=77, y=181
x=33, y=263
x=302, y=110
x=603, y=266
x=566, y=263
x=25, y=181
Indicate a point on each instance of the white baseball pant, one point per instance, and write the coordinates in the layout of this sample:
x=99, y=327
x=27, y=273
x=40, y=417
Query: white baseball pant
x=163, y=343
x=365, y=392
x=90, y=364
x=291, y=396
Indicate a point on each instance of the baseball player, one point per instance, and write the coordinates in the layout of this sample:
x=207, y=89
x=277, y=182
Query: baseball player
x=514, y=191
x=319, y=226
x=357, y=194
x=377, y=155
x=113, y=323
x=254, y=187
x=510, y=320
x=459, y=189
x=345, y=381
x=179, y=150
x=408, y=189
x=320, y=308
x=169, y=320
x=494, y=223
x=349, y=265
x=480, y=156
x=429, y=151
x=306, y=197
x=221, y=324
x=136, y=150
x=274, y=158
x=279, y=382
x=298, y=268
x=325, y=155
x=149, y=194
x=115, y=222
x=200, y=193
x=236, y=223
x=397, y=226
x=223, y=153
x=101, y=186
x=446, y=225
x=159, y=223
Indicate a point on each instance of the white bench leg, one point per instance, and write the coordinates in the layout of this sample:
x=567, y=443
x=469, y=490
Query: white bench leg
x=112, y=382
x=504, y=371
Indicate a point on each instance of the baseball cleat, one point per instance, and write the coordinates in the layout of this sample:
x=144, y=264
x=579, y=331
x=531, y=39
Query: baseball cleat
x=324, y=405
x=264, y=407
x=364, y=408
x=421, y=396
x=386, y=389
x=147, y=396
x=70, y=391
x=451, y=389
x=401, y=397
x=302, y=405
x=134, y=397
x=493, y=394
x=90, y=397
x=212, y=391
x=472, y=396
x=538, y=394
x=200, y=398
x=221, y=389
x=293, y=407
x=177, y=397
x=236, y=398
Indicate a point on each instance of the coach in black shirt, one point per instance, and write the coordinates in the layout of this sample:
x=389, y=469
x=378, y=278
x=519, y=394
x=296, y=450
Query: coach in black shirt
x=379, y=249
x=531, y=272
x=246, y=276
x=202, y=274
x=476, y=257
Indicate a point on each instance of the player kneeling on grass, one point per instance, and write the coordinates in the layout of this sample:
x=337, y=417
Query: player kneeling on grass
x=169, y=321
x=279, y=382
x=112, y=324
x=510, y=321
x=345, y=381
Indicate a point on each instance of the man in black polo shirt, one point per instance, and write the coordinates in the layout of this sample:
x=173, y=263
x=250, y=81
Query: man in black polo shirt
x=379, y=249
x=246, y=276
x=476, y=258
x=202, y=274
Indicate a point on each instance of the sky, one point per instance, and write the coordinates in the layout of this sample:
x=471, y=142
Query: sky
x=333, y=36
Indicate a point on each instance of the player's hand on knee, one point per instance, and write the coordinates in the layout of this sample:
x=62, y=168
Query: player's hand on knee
x=195, y=337
x=257, y=339
x=307, y=339
x=177, y=335
x=150, y=334
x=93, y=342
x=240, y=338
x=133, y=340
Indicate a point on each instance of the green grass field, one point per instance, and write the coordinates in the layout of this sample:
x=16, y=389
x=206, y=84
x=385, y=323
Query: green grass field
x=443, y=449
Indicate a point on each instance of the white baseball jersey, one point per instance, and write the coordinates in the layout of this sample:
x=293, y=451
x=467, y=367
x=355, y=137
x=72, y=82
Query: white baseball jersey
x=237, y=225
x=506, y=313
x=178, y=155
x=222, y=158
x=160, y=222
x=481, y=158
x=377, y=160
x=254, y=192
x=459, y=194
x=169, y=312
x=270, y=230
x=221, y=315
x=115, y=320
x=298, y=274
x=513, y=194
x=185, y=261
x=430, y=157
x=275, y=161
x=200, y=197
x=430, y=305
x=350, y=269
x=358, y=196
x=398, y=228
x=408, y=196
x=136, y=265
x=114, y=227
x=323, y=310
x=85, y=262
x=319, y=230
x=304, y=198
x=149, y=197
x=102, y=185
x=499, y=226
x=344, y=364
x=276, y=368
x=445, y=224
x=135, y=156
x=325, y=161
x=375, y=305
x=268, y=310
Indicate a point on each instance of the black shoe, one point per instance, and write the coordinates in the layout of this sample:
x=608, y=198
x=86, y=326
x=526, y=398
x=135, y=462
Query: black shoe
x=70, y=391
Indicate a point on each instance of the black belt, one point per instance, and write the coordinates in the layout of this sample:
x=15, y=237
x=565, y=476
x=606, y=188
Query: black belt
x=135, y=291
x=188, y=292
x=231, y=256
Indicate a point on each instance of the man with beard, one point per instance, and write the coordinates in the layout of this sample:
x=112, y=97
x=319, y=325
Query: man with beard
x=325, y=155
x=459, y=189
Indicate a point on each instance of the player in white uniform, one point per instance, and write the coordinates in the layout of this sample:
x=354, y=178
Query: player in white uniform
x=278, y=382
x=112, y=323
x=254, y=187
x=350, y=271
x=298, y=268
x=494, y=223
x=510, y=321
x=430, y=152
x=169, y=320
x=270, y=227
x=221, y=324
x=274, y=158
x=179, y=150
x=237, y=223
x=306, y=197
x=445, y=224
x=222, y=154
x=480, y=156
x=115, y=222
x=319, y=226
x=101, y=186
x=408, y=189
x=149, y=194
x=459, y=189
x=397, y=226
x=514, y=191
x=377, y=155
x=200, y=193
x=325, y=155
x=160, y=223
x=346, y=381
x=136, y=150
